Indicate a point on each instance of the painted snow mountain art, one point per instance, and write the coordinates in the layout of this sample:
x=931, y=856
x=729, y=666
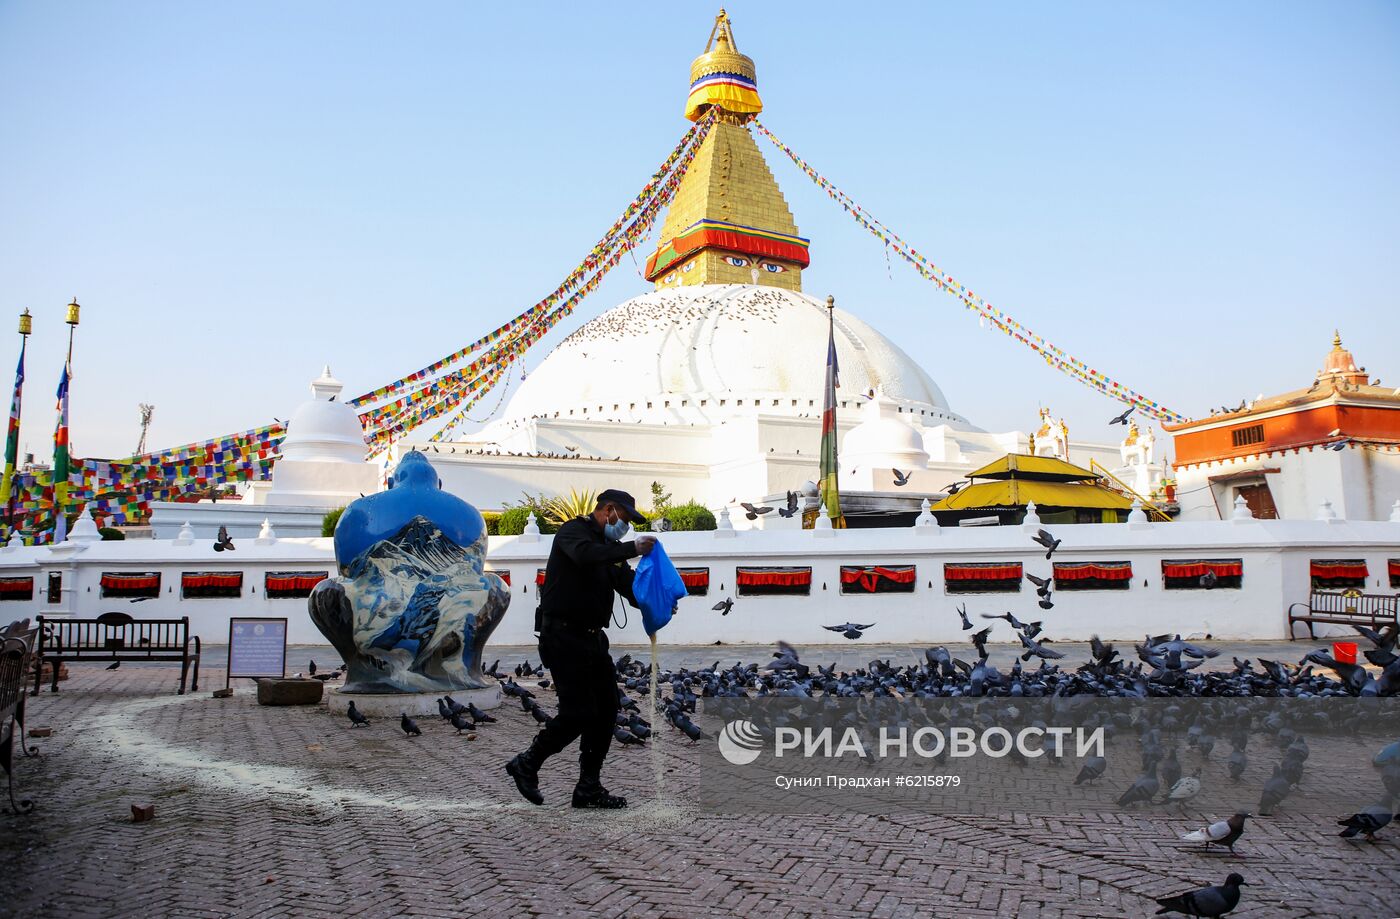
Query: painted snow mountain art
x=413, y=607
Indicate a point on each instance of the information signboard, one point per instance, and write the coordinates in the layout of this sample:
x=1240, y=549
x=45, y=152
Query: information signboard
x=257, y=647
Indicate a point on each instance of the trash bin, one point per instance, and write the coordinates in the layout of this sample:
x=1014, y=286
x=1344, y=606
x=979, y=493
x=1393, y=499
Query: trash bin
x=1344, y=651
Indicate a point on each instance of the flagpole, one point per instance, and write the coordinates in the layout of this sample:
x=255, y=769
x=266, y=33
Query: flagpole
x=62, y=457
x=830, y=490
x=7, y=486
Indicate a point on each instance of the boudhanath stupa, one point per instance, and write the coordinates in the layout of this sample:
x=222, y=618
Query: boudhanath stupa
x=712, y=384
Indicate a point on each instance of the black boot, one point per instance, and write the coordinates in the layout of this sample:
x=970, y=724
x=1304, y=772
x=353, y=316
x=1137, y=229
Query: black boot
x=589, y=792
x=525, y=769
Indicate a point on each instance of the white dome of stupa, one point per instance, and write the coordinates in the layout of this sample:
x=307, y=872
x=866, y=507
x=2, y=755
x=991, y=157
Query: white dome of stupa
x=325, y=429
x=882, y=439
x=705, y=353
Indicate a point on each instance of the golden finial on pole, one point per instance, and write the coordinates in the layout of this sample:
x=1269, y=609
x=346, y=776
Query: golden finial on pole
x=830, y=302
x=73, y=312
x=26, y=323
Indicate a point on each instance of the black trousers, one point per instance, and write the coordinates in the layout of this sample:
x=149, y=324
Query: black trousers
x=585, y=681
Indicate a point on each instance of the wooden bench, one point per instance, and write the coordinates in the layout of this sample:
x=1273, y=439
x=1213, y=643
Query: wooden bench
x=16, y=645
x=116, y=637
x=1346, y=608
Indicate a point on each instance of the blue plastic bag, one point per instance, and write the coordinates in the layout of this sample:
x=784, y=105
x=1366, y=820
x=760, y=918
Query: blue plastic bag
x=657, y=586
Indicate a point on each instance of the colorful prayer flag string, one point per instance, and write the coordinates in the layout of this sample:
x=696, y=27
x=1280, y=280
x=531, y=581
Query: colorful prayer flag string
x=1054, y=356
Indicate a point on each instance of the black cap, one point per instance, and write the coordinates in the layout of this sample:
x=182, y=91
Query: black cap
x=623, y=500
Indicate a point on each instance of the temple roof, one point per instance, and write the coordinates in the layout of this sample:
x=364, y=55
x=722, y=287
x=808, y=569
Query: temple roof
x=1036, y=468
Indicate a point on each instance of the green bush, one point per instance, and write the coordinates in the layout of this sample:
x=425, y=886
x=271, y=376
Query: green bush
x=493, y=521
x=329, y=521
x=691, y=515
x=513, y=519
x=110, y=533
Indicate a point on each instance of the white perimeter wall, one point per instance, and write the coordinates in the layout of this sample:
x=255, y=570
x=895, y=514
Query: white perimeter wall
x=1276, y=557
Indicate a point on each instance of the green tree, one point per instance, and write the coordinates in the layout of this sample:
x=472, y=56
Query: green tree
x=691, y=515
x=513, y=519
x=329, y=521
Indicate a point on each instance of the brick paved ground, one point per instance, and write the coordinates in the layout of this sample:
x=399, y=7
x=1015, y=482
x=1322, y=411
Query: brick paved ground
x=269, y=812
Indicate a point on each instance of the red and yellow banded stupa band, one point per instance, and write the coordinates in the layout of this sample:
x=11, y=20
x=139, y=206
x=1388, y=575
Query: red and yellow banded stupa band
x=732, y=237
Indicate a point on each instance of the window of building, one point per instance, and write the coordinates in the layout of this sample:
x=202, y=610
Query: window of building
x=877, y=579
x=982, y=577
x=1243, y=437
x=16, y=589
x=202, y=585
x=121, y=584
x=696, y=580
x=1202, y=573
x=756, y=582
x=1094, y=575
x=1338, y=574
x=289, y=585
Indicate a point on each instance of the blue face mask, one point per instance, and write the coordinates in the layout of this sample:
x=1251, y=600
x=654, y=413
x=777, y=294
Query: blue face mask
x=615, y=530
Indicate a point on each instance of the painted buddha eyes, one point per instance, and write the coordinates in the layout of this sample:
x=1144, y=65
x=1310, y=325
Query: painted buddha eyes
x=737, y=261
x=773, y=268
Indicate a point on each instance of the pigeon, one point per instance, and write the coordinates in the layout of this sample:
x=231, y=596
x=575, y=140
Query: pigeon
x=1275, y=790
x=410, y=727
x=1044, y=538
x=491, y=671
x=1009, y=617
x=791, y=508
x=1368, y=821
x=901, y=478
x=1183, y=790
x=1038, y=649
x=444, y=712
x=539, y=714
x=353, y=713
x=1042, y=585
x=785, y=658
x=1209, y=580
x=850, y=630
x=753, y=513
x=724, y=606
x=478, y=715
x=311, y=667
x=1171, y=768
x=1143, y=789
x=1092, y=770
x=461, y=723
x=1211, y=901
x=223, y=541
x=1123, y=418
x=627, y=738
x=1221, y=833
x=952, y=488
x=114, y=665
x=962, y=614
x=1103, y=654
x=687, y=727
x=1046, y=603
x=1236, y=763
x=979, y=640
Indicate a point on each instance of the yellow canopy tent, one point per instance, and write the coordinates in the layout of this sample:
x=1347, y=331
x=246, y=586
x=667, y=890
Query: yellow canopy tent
x=1062, y=492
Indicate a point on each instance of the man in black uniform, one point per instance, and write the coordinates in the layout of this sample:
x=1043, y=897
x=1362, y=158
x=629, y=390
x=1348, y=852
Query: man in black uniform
x=587, y=564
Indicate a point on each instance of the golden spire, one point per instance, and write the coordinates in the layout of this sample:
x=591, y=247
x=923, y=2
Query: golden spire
x=1336, y=340
x=723, y=78
x=729, y=222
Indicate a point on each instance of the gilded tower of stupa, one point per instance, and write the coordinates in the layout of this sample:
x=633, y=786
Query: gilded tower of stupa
x=729, y=222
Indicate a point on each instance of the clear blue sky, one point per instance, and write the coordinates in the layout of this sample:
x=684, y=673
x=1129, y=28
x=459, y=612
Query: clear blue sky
x=1189, y=196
